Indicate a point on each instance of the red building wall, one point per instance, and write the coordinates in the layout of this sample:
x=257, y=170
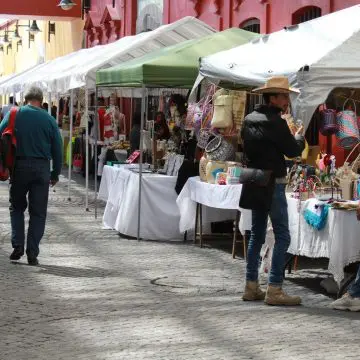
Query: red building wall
x=222, y=14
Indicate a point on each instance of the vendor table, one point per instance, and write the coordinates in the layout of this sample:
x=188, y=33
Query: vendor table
x=339, y=240
x=160, y=215
x=211, y=203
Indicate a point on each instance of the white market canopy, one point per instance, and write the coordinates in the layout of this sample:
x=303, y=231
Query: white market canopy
x=327, y=49
x=78, y=69
x=6, y=78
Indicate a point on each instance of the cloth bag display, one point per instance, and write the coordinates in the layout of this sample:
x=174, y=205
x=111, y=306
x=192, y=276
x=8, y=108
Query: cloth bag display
x=203, y=125
x=348, y=133
x=77, y=163
x=329, y=124
x=239, y=107
x=223, y=112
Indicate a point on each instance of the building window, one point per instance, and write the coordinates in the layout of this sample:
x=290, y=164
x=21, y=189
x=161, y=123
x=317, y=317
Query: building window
x=252, y=25
x=305, y=14
x=149, y=15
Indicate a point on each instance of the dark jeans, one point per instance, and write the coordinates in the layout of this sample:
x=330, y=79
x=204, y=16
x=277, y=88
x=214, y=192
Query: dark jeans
x=354, y=290
x=31, y=177
x=280, y=223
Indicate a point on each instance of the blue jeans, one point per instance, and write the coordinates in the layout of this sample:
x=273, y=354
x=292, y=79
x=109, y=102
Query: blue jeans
x=354, y=289
x=280, y=223
x=31, y=178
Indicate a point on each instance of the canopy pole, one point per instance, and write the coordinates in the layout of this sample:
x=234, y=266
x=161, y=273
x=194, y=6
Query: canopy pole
x=57, y=108
x=71, y=115
x=96, y=140
x=141, y=158
x=131, y=109
x=86, y=115
x=49, y=104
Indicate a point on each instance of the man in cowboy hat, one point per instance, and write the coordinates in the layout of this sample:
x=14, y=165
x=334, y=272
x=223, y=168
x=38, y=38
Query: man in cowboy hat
x=267, y=140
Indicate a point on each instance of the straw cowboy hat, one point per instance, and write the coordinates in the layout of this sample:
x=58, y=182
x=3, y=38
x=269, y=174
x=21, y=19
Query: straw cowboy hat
x=276, y=85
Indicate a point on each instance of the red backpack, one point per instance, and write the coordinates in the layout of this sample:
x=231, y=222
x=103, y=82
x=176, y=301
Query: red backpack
x=8, y=147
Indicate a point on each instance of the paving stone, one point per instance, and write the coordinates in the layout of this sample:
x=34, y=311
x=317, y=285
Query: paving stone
x=98, y=296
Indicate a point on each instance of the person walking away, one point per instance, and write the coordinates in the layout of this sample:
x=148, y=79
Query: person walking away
x=267, y=140
x=38, y=142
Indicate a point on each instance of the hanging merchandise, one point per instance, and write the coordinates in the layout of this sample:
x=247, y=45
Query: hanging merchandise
x=239, y=106
x=220, y=150
x=194, y=114
x=223, y=112
x=200, y=110
x=77, y=163
x=204, y=133
x=348, y=134
x=329, y=124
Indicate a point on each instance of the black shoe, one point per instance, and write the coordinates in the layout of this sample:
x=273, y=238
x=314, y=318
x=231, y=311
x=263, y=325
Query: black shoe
x=33, y=261
x=17, y=253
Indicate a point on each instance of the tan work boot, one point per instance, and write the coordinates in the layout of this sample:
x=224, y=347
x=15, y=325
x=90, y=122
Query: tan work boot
x=276, y=296
x=253, y=292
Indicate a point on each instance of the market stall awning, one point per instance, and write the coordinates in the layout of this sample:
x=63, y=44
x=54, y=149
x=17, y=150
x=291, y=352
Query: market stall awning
x=79, y=68
x=317, y=56
x=175, y=66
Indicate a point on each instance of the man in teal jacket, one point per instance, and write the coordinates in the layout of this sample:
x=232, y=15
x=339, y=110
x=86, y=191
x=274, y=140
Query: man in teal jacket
x=38, y=142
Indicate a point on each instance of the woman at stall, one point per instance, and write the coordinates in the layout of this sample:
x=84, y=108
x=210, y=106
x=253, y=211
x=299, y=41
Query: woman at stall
x=135, y=133
x=161, y=127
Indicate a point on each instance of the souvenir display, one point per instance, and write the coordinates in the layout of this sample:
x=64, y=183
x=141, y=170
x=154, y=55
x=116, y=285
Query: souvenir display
x=348, y=133
x=212, y=168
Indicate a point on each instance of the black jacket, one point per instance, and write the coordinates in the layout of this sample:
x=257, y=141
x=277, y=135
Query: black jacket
x=267, y=139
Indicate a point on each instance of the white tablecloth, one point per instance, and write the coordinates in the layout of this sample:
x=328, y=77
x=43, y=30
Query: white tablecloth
x=339, y=240
x=220, y=203
x=159, y=213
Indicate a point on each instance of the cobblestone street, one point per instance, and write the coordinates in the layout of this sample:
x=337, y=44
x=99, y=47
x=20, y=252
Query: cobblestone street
x=97, y=296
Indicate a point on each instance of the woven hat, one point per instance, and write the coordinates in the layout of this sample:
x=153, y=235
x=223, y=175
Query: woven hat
x=276, y=85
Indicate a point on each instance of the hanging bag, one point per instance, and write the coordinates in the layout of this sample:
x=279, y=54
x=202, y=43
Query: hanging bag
x=223, y=112
x=329, y=124
x=77, y=163
x=205, y=133
x=348, y=133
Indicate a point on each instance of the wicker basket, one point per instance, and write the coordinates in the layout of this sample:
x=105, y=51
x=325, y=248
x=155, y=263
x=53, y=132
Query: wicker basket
x=219, y=149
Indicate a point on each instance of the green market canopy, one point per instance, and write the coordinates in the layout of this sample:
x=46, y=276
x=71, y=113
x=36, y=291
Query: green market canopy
x=175, y=66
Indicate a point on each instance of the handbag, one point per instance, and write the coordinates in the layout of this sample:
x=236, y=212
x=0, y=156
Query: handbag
x=348, y=133
x=258, y=188
x=329, y=125
x=219, y=149
x=223, y=112
x=257, y=177
x=77, y=163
